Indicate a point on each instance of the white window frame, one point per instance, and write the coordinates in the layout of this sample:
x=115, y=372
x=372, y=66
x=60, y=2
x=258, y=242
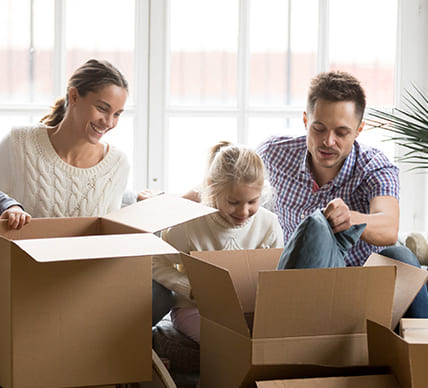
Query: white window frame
x=150, y=111
x=160, y=111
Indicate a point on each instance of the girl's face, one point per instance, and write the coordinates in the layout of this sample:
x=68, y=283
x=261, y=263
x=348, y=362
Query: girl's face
x=239, y=203
x=97, y=113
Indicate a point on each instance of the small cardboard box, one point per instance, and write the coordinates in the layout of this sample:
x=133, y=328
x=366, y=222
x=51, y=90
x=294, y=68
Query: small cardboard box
x=366, y=381
x=75, y=295
x=406, y=360
x=414, y=330
x=307, y=323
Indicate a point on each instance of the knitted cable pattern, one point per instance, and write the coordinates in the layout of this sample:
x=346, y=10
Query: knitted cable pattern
x=53, y=188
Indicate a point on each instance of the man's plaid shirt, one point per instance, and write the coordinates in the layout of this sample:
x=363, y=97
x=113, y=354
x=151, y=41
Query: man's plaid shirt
x=366, y=173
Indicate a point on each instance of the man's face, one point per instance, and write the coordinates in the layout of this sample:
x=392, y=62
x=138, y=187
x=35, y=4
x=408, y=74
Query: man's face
x=331, y=129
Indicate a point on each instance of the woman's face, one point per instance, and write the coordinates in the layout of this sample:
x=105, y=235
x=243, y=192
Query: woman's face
x=97, y=112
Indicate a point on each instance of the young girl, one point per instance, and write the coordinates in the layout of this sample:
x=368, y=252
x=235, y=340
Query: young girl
x=233, y=185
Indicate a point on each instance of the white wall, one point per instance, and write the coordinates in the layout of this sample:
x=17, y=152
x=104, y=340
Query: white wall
x=412, y=66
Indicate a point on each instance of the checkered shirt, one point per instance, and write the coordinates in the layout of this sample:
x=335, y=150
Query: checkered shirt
x=366, y=173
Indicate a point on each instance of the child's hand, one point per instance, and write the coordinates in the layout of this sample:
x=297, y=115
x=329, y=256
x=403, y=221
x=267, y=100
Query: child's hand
x=16, y=216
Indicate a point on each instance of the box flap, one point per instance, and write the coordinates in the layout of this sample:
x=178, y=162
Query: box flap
x=159, y=212
x=307, y=302
x=215, y=294
x=243, y=266
x=52, y=227
x=370, y=381
x=410, y=280
x=388, y=349
x=94, y=247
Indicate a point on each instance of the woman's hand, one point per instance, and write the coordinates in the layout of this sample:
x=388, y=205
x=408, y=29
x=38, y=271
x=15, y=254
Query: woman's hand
x=16, y=217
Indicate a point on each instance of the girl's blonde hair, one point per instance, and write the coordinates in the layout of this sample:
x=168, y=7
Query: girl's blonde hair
x=229, y=164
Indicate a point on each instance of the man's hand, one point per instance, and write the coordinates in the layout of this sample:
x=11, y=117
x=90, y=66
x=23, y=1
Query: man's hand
x=338, y=215
x=16, y=217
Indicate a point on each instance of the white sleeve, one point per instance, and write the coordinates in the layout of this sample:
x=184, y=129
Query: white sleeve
x=168, y=270
x=277, y=235
x=6, y=165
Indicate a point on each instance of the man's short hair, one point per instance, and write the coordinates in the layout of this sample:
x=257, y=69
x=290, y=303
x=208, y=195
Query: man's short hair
x=337, y=86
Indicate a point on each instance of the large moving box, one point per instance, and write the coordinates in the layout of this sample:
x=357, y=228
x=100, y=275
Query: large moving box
x=75, y=295
x=309, y=322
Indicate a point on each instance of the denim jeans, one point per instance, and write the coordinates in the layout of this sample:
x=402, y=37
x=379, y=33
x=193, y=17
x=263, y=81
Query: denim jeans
x=162, y=301
x=419, y=306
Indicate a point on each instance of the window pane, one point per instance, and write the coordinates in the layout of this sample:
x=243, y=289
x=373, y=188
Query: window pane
x=102, y=29
x=365, y=44
x=9, y=121
x=203, y=52
x=376, y=138
x=189, y=141
x=261, y=128
x=25, y=51
x=283, y=48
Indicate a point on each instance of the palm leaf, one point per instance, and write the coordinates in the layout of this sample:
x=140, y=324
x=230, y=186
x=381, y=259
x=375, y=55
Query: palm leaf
x=408, y=127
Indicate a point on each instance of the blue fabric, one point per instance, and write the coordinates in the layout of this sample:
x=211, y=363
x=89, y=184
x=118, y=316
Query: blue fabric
x=6, y=202
x=314, y=245
x=419, y=306
x=162, y=301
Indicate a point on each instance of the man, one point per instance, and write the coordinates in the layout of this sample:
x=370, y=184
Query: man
x=328, y=169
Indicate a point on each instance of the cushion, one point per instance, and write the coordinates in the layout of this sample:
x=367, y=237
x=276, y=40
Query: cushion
x=181, y=351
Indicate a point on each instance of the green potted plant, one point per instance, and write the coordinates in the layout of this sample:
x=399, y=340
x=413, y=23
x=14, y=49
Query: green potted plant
x=408, y=127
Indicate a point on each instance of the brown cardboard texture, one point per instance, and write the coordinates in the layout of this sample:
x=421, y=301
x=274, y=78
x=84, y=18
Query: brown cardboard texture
x=75, y=298
x=410, y=280
x=407, y=361
x=312, y=318
x=414, y=330
x=368, y=381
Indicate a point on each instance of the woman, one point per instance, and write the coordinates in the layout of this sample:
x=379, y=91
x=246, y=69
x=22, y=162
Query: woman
x=60, y=167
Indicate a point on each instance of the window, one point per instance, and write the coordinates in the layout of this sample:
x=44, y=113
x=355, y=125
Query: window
x=200, y=71
x=240, y=70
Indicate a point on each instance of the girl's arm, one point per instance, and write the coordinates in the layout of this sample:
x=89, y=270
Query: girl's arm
x=168, y=270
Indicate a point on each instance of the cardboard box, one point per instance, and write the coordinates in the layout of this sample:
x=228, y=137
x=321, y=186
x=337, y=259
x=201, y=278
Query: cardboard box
x=414, y=330
x=75, y=295
x=410, y=280
x=307, y=323
x=407, y=361
x=367, y=381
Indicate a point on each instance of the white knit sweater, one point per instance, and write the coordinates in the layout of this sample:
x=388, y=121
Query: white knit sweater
x=34, y=174
x=212, y=233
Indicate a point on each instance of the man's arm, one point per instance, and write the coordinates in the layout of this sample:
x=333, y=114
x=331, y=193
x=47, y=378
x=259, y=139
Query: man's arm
x=382, y=221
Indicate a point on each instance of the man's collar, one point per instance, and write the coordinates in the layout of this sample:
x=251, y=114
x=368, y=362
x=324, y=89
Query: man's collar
x=344, y=173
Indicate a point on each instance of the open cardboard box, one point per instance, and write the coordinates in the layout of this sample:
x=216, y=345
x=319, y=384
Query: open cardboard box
x=365, y=381
x=307, y=323
x=407, y=361
x=75, y=295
